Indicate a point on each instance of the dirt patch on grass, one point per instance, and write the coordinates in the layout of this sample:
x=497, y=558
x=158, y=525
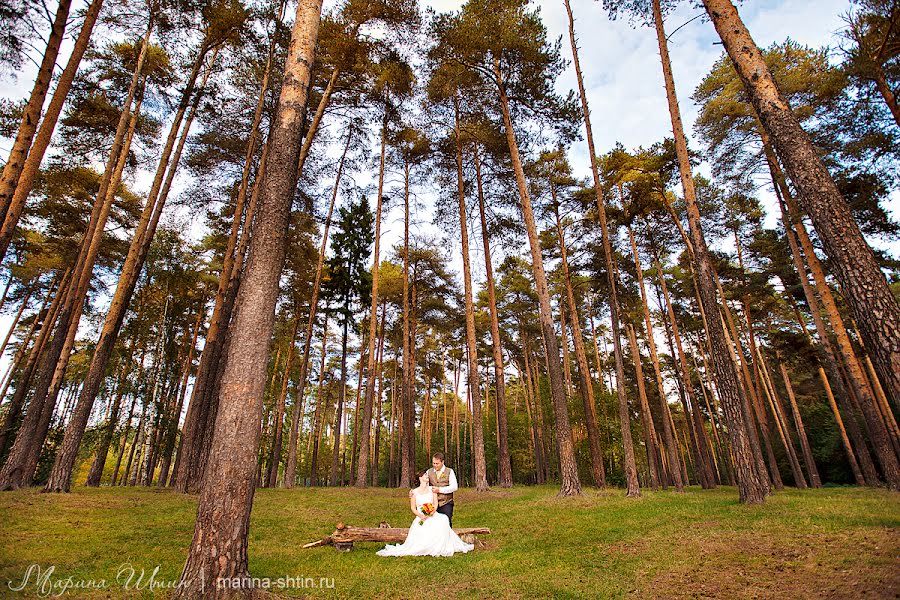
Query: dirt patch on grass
x=762, y=565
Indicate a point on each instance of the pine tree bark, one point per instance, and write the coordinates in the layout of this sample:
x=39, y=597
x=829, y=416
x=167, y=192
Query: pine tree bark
x=503, y=458
x=219, y=547
x=751, y=486
x=568, y=466
x=864, y=285
x=473, y=383
x=202, y=395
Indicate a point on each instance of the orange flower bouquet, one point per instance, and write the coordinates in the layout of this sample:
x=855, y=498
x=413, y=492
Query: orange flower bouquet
x=427, y=509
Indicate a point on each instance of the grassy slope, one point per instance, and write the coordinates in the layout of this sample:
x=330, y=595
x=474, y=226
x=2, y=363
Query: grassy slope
x=832, y=542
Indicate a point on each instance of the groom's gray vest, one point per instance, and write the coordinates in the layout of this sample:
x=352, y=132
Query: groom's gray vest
x=440, y=480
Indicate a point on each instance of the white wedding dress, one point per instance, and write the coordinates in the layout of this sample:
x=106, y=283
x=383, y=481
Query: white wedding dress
x=433, y=537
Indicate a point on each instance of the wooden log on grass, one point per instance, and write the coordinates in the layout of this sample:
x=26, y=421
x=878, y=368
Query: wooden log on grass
x=344, y=535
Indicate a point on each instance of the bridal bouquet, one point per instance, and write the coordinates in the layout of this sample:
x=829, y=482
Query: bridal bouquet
x=428, y=509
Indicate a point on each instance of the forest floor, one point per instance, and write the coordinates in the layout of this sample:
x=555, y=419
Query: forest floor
x=833, y=542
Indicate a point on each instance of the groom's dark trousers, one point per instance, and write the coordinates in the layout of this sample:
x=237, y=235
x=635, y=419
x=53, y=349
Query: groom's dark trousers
x=447, y=509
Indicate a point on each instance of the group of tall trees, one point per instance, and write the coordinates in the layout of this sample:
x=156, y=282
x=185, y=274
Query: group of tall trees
x=644, y=326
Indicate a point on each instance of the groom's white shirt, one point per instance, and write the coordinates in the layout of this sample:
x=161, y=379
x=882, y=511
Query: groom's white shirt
x=448, y=489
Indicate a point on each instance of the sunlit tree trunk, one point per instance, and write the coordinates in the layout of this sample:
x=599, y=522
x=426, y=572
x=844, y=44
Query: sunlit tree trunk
x=630, y=466
x=751, y=486
x=869, y=298
x=219, y=546
x=568, y=466
x=474, y=385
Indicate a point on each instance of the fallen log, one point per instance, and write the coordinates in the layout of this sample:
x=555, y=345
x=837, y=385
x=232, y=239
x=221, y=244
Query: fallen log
x=344, y=536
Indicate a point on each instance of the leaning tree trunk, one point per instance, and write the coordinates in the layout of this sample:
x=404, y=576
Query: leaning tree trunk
x=31, y=113
x=630, y=465
x=474, y=386
x=60, y=476
x=751, y=486
x=878, y=432
x=568, y=466
x=28, y=171
x=864, y=285
x=219, y=547
x=106, y=435
x=184, y=472
x=503, y=459
x=14, y=407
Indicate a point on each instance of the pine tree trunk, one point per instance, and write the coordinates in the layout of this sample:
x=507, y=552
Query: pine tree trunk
x=703, y=466
x=112, y=421
x=219, y=547
x=864, y=285
x=366, y=424
x=60, y=476
x=17, y=182
x=586, y=385
x=31, y=113
x=814, y=478
x=503, y=458
x=630, y=465
x=339, y=410
x=568, y=466
x=14, y=407
x=473, y=384
x=834, y=383
x=878, y=432
x=649, y=430
x=184, y=475
x=751, y=486
x=668, y=438
x=275, y=453
x=319, y=416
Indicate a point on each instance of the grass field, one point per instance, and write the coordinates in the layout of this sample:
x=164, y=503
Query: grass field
x=836, y=542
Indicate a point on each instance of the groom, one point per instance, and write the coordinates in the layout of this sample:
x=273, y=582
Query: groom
x=443, y=481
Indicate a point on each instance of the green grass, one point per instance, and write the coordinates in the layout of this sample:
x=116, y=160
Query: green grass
x=831, y=542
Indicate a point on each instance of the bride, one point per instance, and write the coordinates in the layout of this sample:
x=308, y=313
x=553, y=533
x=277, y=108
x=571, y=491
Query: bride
x=429, y=535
